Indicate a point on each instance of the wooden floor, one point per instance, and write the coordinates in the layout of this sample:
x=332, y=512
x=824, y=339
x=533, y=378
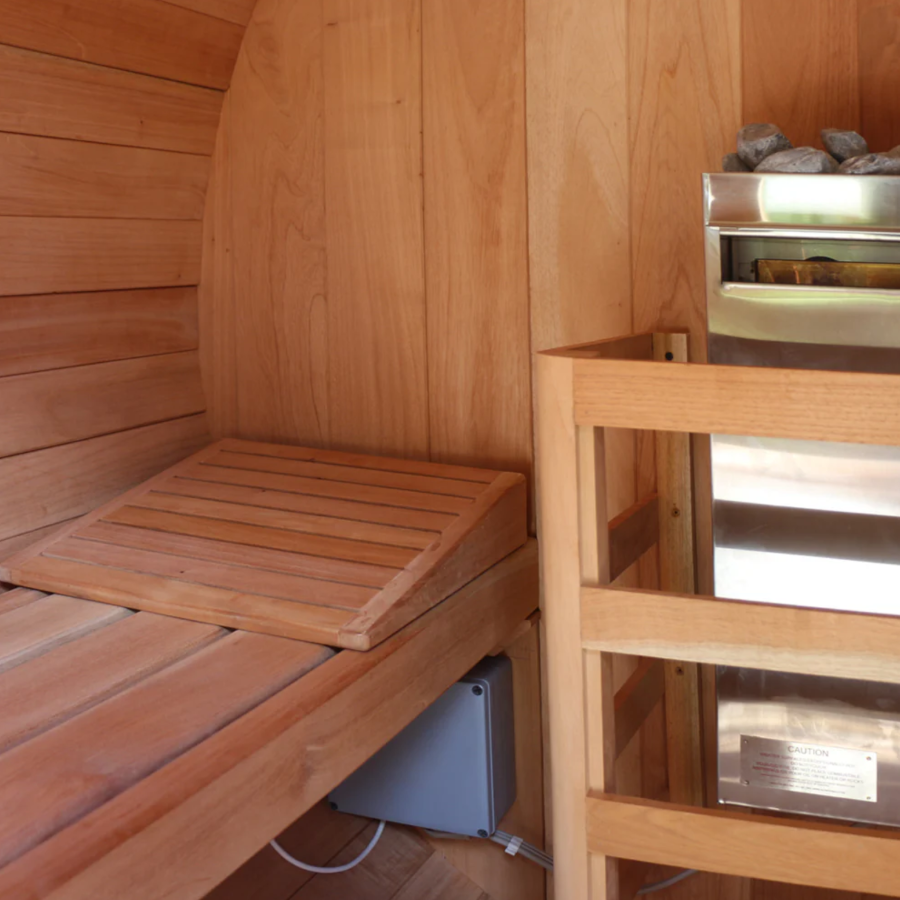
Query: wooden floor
x=403, y=866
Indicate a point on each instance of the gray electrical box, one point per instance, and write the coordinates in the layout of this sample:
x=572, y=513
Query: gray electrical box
x=453, y=768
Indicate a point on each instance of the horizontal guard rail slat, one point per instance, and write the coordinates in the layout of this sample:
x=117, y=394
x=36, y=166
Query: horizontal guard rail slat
x=737, y=633
x=854, y=407
x=752, y=846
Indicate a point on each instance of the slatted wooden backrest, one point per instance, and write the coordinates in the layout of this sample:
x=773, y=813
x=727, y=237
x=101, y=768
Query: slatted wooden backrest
x=582, y=391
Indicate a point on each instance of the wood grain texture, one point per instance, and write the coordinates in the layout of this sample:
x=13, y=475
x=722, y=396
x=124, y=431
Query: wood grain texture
x=50, y=486
x=12, y=545
x=289, y=520
x=49, y=255
x=558, y=492
x=801, y=92
x=48, y=622
x=685, y=109
x=53, y=331
x=54, y=97
x=838, y=406
x=348, y=510
x=578, y=176
x=180, y=706
x=224, y=799
x=231, y=576
x=15, y=598
x=238, y=11
x=263, y=299
x=377, y=367
x=476, y=219
x=285, y=562
x=147, y=36
x=69, y=679
x=345, y=472
x=51, y=177
x=45, y=409
x=879, y=58
x=717, y=841
x=730, y=632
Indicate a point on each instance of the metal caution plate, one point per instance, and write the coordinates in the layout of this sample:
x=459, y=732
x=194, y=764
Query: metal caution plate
x=809, y=769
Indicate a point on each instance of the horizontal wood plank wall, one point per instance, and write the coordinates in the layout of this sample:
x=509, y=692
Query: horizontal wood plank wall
x=108, y=117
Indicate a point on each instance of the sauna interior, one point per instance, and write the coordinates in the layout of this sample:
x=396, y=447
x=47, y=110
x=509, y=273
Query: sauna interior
x=335, y=233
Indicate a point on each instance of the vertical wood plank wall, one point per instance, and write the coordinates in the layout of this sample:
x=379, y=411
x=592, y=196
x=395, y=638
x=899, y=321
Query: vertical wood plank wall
x=380, y=262
x=108, y=119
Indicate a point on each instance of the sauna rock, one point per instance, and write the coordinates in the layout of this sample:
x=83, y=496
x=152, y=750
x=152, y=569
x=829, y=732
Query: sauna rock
x=758, y=141
x=844, y=145
x=872, y=164
x=799, y=160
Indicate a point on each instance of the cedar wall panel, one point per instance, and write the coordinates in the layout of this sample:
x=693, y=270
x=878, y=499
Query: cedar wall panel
x=108, y=117
x=363, y=276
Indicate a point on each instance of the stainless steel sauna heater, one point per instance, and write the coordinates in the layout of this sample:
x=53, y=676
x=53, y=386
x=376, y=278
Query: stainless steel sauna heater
x=804, y=272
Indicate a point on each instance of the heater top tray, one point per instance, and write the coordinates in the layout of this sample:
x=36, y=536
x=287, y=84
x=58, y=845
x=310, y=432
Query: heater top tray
x=329, y=547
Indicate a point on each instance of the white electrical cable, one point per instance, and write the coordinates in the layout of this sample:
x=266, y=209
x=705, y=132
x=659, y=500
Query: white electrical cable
x=329, y=870
x=662, y=885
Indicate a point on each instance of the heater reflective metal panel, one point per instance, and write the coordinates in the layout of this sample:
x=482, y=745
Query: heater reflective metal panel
x=804, y=272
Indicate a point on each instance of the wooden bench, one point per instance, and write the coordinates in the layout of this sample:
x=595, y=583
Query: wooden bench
x=147, y=755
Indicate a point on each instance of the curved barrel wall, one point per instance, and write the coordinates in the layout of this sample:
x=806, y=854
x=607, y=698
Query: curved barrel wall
x=108, y=117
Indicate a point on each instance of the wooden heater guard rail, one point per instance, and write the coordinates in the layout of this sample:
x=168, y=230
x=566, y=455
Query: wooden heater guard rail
x=645, y=382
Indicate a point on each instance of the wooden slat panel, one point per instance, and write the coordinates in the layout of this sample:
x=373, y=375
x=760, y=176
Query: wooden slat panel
x=231, y=10
x=55, y=97
x=12, y=545
x=378, y=378
x=49, y=408
x=50, y=486
x=37, y=627
x=39, y=694
x=380, y=463
x=219, y=551
x=835, y=406
x=321, y=506
x=52, y=331
x=242, y=785
x=138, y=36
x=737, y=633
x=289, y=521
x=333, y=489
x=49, y=177
x=636, y=699
x=476, y=233
x=879, y=58
x=249, y=612
x=17, y=598
x=49, y=255
x=801, y=92
x=496, y=527
x=266, y=362
x=755, y=846
x=349, y=474
x=61, y=775
x=238, y=533
x=238, y=577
